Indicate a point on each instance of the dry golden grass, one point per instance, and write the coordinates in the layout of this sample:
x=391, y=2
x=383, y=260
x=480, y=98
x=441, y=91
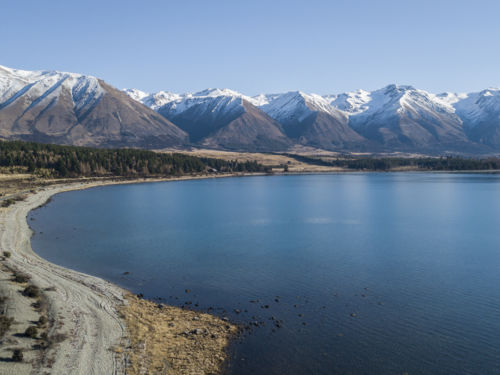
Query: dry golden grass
x=265, y=159
x=174, y=341
x=262, y=158
x=15, y=183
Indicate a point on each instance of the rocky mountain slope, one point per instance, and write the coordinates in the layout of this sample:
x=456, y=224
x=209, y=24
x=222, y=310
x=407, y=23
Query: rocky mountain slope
x=480, y=114
x=219, y=119
x=68, y=108
x=394, y=118
x=310, y=120
x=402, y=117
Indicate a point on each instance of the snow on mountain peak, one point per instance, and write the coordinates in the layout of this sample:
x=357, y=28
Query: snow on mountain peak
x=479, y=107
x=393, y=87
x=160, y=98
x=136, y=94
x=262, y=99
x=350, y=102
x=450, y=98
x=214, y=93
x=177, y=103
x=294, y=106
x=361, y=106
x=47, y=85
x=210, y=101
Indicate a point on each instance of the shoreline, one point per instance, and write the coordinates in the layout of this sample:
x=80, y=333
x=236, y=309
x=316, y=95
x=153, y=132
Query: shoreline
x=82, y=307
x=90, y=312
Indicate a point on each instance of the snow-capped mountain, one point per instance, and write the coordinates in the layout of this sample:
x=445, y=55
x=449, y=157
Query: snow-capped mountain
x=212, y=106
x=309, y=119
x=392, y=118
x=71, y=108
x=29, y=90
x=296, y=106
x=218, y=118
x=262, y=99
x=155, y=100
x=480, y=113
x=351, y=102
x=136, y=94
x=403, y=117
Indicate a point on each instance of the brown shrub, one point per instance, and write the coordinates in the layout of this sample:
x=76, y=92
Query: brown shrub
x=42, y=321
x=21, y=278
x=31, y=331
x=31, y=291
x=5, y=324
x=17, y=355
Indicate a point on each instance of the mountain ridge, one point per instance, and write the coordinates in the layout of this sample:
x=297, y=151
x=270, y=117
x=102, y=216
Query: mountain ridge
x=393, y=118
x=71, y=108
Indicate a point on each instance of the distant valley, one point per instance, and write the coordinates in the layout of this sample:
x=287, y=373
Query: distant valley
x=69, y=108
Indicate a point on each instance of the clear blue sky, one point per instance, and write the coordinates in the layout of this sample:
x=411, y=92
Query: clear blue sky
x=258, y=46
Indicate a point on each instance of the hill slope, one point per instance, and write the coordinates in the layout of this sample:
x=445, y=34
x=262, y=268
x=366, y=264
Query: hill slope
x=310, y=120
x=68, y=108
x=480, y=113
x=219, y=119
x=404, y=118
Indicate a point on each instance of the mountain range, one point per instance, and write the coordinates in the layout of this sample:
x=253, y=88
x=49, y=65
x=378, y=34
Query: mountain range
x=69, y=108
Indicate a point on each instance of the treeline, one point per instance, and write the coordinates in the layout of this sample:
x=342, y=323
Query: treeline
x=72, y=161
x=391, y=163
x=430, y=164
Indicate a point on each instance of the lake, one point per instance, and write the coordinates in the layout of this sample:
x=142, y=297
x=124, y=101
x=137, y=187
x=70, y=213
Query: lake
x=368, y=273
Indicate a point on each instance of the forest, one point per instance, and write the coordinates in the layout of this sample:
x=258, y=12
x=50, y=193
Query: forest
x=49, y=160
x=72, y=161
x=444, y=163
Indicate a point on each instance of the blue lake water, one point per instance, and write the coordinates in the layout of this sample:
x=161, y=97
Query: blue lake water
x=391, y=273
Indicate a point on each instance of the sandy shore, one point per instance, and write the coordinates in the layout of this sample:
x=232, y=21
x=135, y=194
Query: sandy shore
x=87, y=316
x=84, y=308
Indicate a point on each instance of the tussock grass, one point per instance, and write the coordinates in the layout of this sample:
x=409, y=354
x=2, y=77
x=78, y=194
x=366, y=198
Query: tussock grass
x=31, y=291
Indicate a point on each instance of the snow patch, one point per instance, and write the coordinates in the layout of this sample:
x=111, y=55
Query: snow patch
x=40, y=86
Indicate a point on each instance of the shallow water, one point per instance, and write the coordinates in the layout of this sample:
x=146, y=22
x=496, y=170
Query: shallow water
x=391, y=273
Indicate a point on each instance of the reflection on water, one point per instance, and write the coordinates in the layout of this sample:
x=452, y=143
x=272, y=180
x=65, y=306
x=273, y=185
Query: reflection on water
x=348, y=273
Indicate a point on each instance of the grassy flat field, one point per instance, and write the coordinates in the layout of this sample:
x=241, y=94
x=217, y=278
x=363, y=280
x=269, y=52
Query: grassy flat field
x=276, y=161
